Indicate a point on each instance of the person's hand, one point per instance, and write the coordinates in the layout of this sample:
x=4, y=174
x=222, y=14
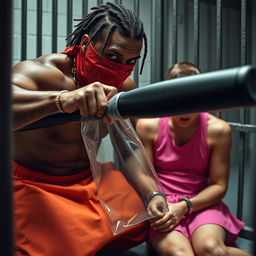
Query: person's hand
x=157, y=206
x=170, y=219
x=89, y=100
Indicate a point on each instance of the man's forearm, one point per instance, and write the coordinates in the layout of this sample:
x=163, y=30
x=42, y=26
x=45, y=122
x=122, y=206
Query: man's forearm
x=30, y=106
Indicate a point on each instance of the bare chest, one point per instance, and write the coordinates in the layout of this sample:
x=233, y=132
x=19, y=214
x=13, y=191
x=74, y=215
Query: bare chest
x=58, y=149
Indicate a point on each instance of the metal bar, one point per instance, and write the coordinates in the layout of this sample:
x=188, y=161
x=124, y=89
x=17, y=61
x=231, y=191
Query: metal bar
x=247, y=232
x=84, y=7
x=243, y=32
x=174, y=31
x=39, y=16
x=196, y=31
x=24, y=30
x=54, y=25
x=99, y=2
x=246, y=128
x=243, y=119
x=6, y=212
x=254, y=211
x=218, y=39
x=69, y=17
x=156, y=40
x=136, y=7
x=241, y=171
x=165, y=30
x=244, y=112
x=219, y=34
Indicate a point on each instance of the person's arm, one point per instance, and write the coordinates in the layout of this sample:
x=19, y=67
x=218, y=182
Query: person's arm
x=147, y=131
x=29, y=104
x=219, y=139
x=37, y=87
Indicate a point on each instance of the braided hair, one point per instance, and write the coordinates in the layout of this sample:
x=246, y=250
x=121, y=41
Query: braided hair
x=110, y=17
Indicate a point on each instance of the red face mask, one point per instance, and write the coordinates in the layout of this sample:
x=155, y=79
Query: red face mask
x=95, y=68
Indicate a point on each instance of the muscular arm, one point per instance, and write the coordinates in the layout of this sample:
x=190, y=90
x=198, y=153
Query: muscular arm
x=36, y=84
x=219, y=140
x=32, y=96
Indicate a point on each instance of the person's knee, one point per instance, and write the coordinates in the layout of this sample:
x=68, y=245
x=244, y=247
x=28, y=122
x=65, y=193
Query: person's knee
x=211, y=247
x=171, y=249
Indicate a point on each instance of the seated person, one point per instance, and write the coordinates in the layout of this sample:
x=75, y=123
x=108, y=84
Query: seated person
x=191, y=155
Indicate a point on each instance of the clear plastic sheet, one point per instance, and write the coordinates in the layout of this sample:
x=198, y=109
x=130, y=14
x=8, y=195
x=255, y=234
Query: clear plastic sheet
x=123, y=173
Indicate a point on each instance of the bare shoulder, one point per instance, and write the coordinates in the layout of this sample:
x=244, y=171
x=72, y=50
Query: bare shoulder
x=147, y=126
x=47, y=72
x=218, y=128
x=127, y=85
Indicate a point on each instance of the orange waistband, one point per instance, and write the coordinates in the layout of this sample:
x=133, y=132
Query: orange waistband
x=23, y=172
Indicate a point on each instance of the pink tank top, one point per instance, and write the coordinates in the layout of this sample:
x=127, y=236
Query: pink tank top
x=182, y=169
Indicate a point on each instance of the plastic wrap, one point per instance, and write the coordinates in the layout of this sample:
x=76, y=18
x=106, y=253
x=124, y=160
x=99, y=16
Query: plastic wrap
x=123, y=173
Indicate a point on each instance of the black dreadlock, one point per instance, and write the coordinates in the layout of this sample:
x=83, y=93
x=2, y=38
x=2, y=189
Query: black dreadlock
x=111, y=17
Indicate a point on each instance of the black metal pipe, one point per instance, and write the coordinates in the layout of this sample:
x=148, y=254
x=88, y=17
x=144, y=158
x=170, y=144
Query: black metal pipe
x=6, y=204
x=230, y=88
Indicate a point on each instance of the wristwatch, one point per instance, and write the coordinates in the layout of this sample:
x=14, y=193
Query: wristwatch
x=189, y=204
x=153, y=194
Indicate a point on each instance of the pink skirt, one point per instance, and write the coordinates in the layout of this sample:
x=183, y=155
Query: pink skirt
x=218, y=214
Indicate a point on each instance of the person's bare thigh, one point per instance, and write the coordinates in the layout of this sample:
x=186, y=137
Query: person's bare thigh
x=172, y=243
x=207, y=236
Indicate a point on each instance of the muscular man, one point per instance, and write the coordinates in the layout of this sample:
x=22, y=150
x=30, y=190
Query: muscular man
x=57, y=211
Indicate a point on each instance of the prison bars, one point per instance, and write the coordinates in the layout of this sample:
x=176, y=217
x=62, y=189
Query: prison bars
x=196, y=26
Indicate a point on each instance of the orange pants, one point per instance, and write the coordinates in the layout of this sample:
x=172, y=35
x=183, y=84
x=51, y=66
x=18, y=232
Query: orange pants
x=62, y=216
